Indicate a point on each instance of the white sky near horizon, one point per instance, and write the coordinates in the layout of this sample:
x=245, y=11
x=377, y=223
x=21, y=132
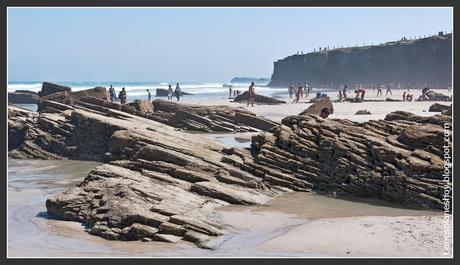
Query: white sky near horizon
x=192, y=44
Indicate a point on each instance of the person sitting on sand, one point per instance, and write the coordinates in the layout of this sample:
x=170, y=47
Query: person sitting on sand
x=112, y=93
x=177, y=91
x=149, y=95
x=380, y=90
x=238, y=92
x=122, y=96
x=251, y=94
x=170, y=92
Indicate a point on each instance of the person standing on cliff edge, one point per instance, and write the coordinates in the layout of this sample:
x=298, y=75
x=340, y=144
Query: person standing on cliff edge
x=251, y=94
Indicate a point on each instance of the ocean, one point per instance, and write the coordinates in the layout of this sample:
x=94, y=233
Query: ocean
x=137, y=90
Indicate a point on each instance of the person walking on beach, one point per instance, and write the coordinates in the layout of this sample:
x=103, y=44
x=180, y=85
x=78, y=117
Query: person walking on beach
x=122, y=96
x=380, y=90
x=404, y=96
x=301, y=90
x=449, y=88
x=177, y=91
x=170, y=92
x=149, y=95
x=112, y=93
x=297, y=95
x=291, y=90
x=388, y=90
x=251, y=94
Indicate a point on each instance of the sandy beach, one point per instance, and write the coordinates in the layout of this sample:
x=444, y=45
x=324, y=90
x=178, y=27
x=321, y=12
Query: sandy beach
x=342, y=110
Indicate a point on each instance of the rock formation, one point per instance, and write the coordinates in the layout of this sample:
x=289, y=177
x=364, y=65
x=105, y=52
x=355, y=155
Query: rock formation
x=259, y=99
x=23, y=97
x=208, y=118
x=427, y=60
x=436, y=107
x=143, y=106
x=51, y=88
x=398, y=159
x=318, y=106
x=161, y=92
x=363, y=112
x=161, y=184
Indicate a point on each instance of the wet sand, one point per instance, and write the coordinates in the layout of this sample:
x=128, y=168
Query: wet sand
x=312, y=225
x=294, y=224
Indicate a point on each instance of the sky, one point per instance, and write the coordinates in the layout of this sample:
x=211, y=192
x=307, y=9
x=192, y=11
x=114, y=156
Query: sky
x=192, y=44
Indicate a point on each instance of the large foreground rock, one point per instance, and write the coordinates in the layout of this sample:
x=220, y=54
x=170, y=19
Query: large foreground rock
x=161, y=184
x=398, y=159
x=259, y=99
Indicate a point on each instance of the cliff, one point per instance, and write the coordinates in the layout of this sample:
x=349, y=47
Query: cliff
x=426, y=60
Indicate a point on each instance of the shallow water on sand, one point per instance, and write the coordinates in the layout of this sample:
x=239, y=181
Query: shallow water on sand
x=249, y=228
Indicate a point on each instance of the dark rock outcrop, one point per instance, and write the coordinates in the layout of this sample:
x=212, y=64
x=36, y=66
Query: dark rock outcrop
x=363, y=112
x=23, y=97
x=436, y=107
x=427, y=60
x=318, y=106
x=435, y=96
x=51, y=88
x=259, y=99
x=72, y=98
x=161, y=92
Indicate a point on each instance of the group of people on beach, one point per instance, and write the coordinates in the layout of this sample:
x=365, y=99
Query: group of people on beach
x=299, y=91
x=234, y=92
x=177, y=92
x=123, y=97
